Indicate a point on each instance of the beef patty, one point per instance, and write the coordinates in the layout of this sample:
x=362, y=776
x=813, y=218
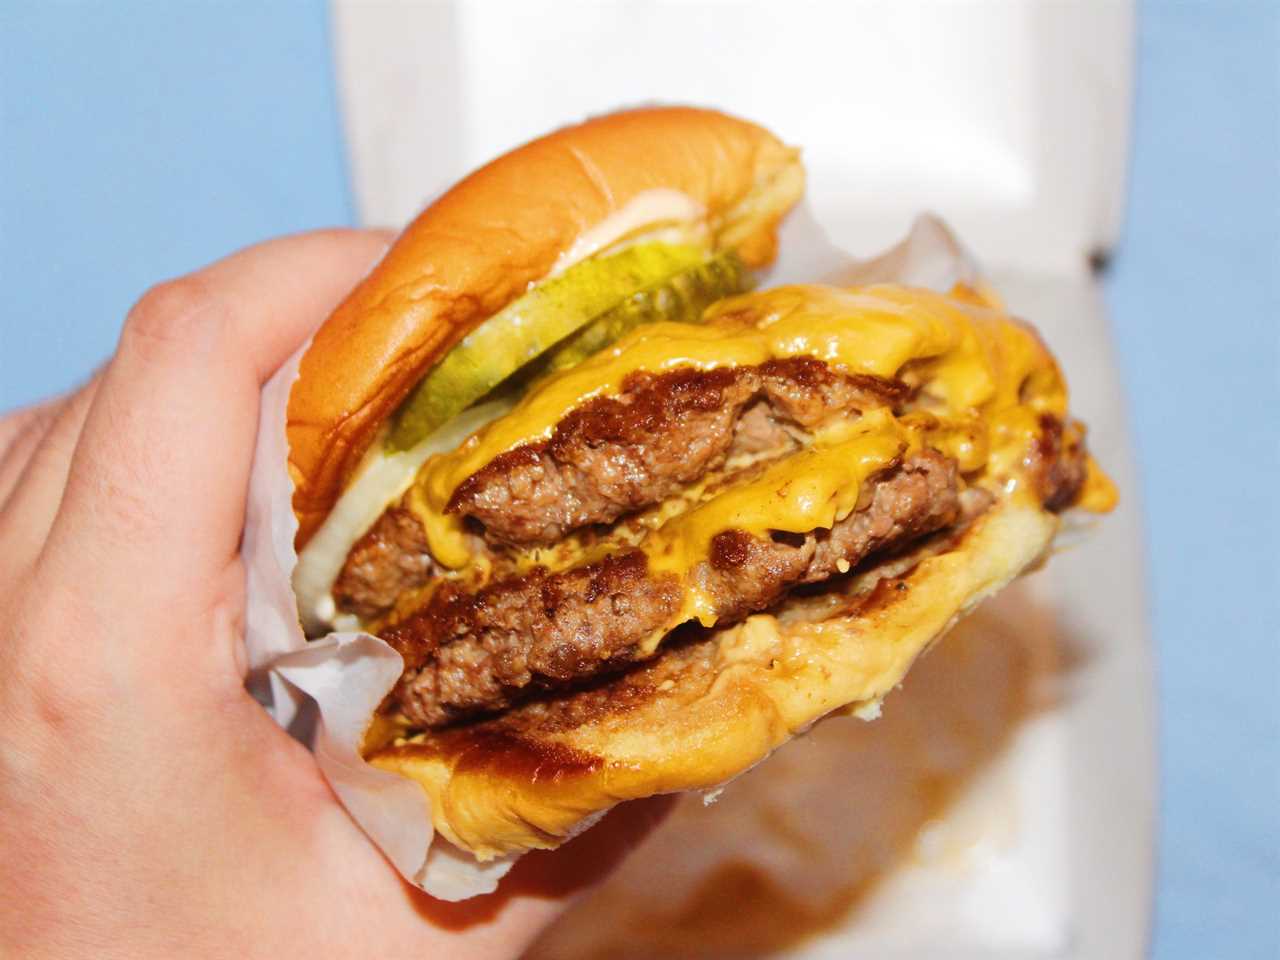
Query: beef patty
x=613, y=456
x=472, y=652
x=390, y=559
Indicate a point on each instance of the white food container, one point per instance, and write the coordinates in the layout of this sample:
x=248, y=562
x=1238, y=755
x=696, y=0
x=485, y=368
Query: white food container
x=1010, y=119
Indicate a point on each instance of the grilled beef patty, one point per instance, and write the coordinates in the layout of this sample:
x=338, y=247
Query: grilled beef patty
x=613, y=456
x=472, y=652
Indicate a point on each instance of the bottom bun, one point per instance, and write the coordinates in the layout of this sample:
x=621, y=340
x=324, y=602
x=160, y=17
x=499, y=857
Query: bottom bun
x=713, y=704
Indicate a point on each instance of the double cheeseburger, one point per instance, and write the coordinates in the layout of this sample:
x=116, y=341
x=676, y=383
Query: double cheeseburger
x=630, y=526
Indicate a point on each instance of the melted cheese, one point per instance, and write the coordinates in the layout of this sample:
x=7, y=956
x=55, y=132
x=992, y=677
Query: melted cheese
x=987, y=375
x=1100, y=494
x=814, y=488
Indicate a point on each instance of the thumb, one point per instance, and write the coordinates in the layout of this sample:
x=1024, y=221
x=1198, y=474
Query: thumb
x=154, y=499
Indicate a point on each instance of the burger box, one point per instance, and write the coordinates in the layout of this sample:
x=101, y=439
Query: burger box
x=1009, y=120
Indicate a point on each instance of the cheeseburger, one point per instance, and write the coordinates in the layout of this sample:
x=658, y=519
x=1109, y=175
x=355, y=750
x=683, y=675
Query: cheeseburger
x=630, y=523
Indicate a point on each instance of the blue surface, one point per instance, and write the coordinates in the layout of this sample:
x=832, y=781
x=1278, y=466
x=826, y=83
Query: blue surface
x=139, y=143
x=1195, y=298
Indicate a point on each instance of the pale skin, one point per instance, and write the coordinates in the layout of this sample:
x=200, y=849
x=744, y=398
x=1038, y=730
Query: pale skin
x=148, y=806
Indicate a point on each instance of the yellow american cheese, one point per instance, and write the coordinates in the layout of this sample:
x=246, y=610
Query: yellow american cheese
x=986, y=378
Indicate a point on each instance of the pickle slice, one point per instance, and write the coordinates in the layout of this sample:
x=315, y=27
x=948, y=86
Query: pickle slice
x=589, y=292
x=681, y=298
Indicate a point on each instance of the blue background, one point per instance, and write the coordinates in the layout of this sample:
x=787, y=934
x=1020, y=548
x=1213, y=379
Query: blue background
x=140, y=141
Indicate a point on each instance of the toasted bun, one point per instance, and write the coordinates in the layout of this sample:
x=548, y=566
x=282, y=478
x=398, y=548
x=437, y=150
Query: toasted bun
x=707, y=711
x=504, y=227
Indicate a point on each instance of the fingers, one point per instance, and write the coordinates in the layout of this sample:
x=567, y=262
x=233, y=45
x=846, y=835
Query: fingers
x=155, y=496
x=28, y=511
x=20, y=432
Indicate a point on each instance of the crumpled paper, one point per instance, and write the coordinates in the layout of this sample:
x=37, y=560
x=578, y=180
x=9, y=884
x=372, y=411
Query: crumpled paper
x=325, y=691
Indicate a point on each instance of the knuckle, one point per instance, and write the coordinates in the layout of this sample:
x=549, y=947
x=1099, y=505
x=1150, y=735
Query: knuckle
x=16, y=452
x=183, y=313
x=35, y=689
x=22, y=427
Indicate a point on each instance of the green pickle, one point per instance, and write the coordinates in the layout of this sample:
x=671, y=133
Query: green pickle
x=680, y=298
x=563, y=321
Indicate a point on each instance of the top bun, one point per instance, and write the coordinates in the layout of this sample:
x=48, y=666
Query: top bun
x=481, y=245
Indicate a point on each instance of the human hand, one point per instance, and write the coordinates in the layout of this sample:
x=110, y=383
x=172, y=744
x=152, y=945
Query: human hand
x=148, y=806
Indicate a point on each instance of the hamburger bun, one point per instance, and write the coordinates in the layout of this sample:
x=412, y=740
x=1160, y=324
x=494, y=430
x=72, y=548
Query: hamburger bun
x=504, y=227
x=706, y=711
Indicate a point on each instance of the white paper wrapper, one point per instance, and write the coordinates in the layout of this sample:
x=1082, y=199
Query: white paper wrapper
x=346, y=675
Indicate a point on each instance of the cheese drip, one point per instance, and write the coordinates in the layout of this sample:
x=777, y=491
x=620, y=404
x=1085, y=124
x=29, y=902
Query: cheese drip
x=969, y=359
x=813, y=488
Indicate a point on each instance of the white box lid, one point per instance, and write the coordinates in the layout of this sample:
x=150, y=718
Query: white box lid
x=1009, y=118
